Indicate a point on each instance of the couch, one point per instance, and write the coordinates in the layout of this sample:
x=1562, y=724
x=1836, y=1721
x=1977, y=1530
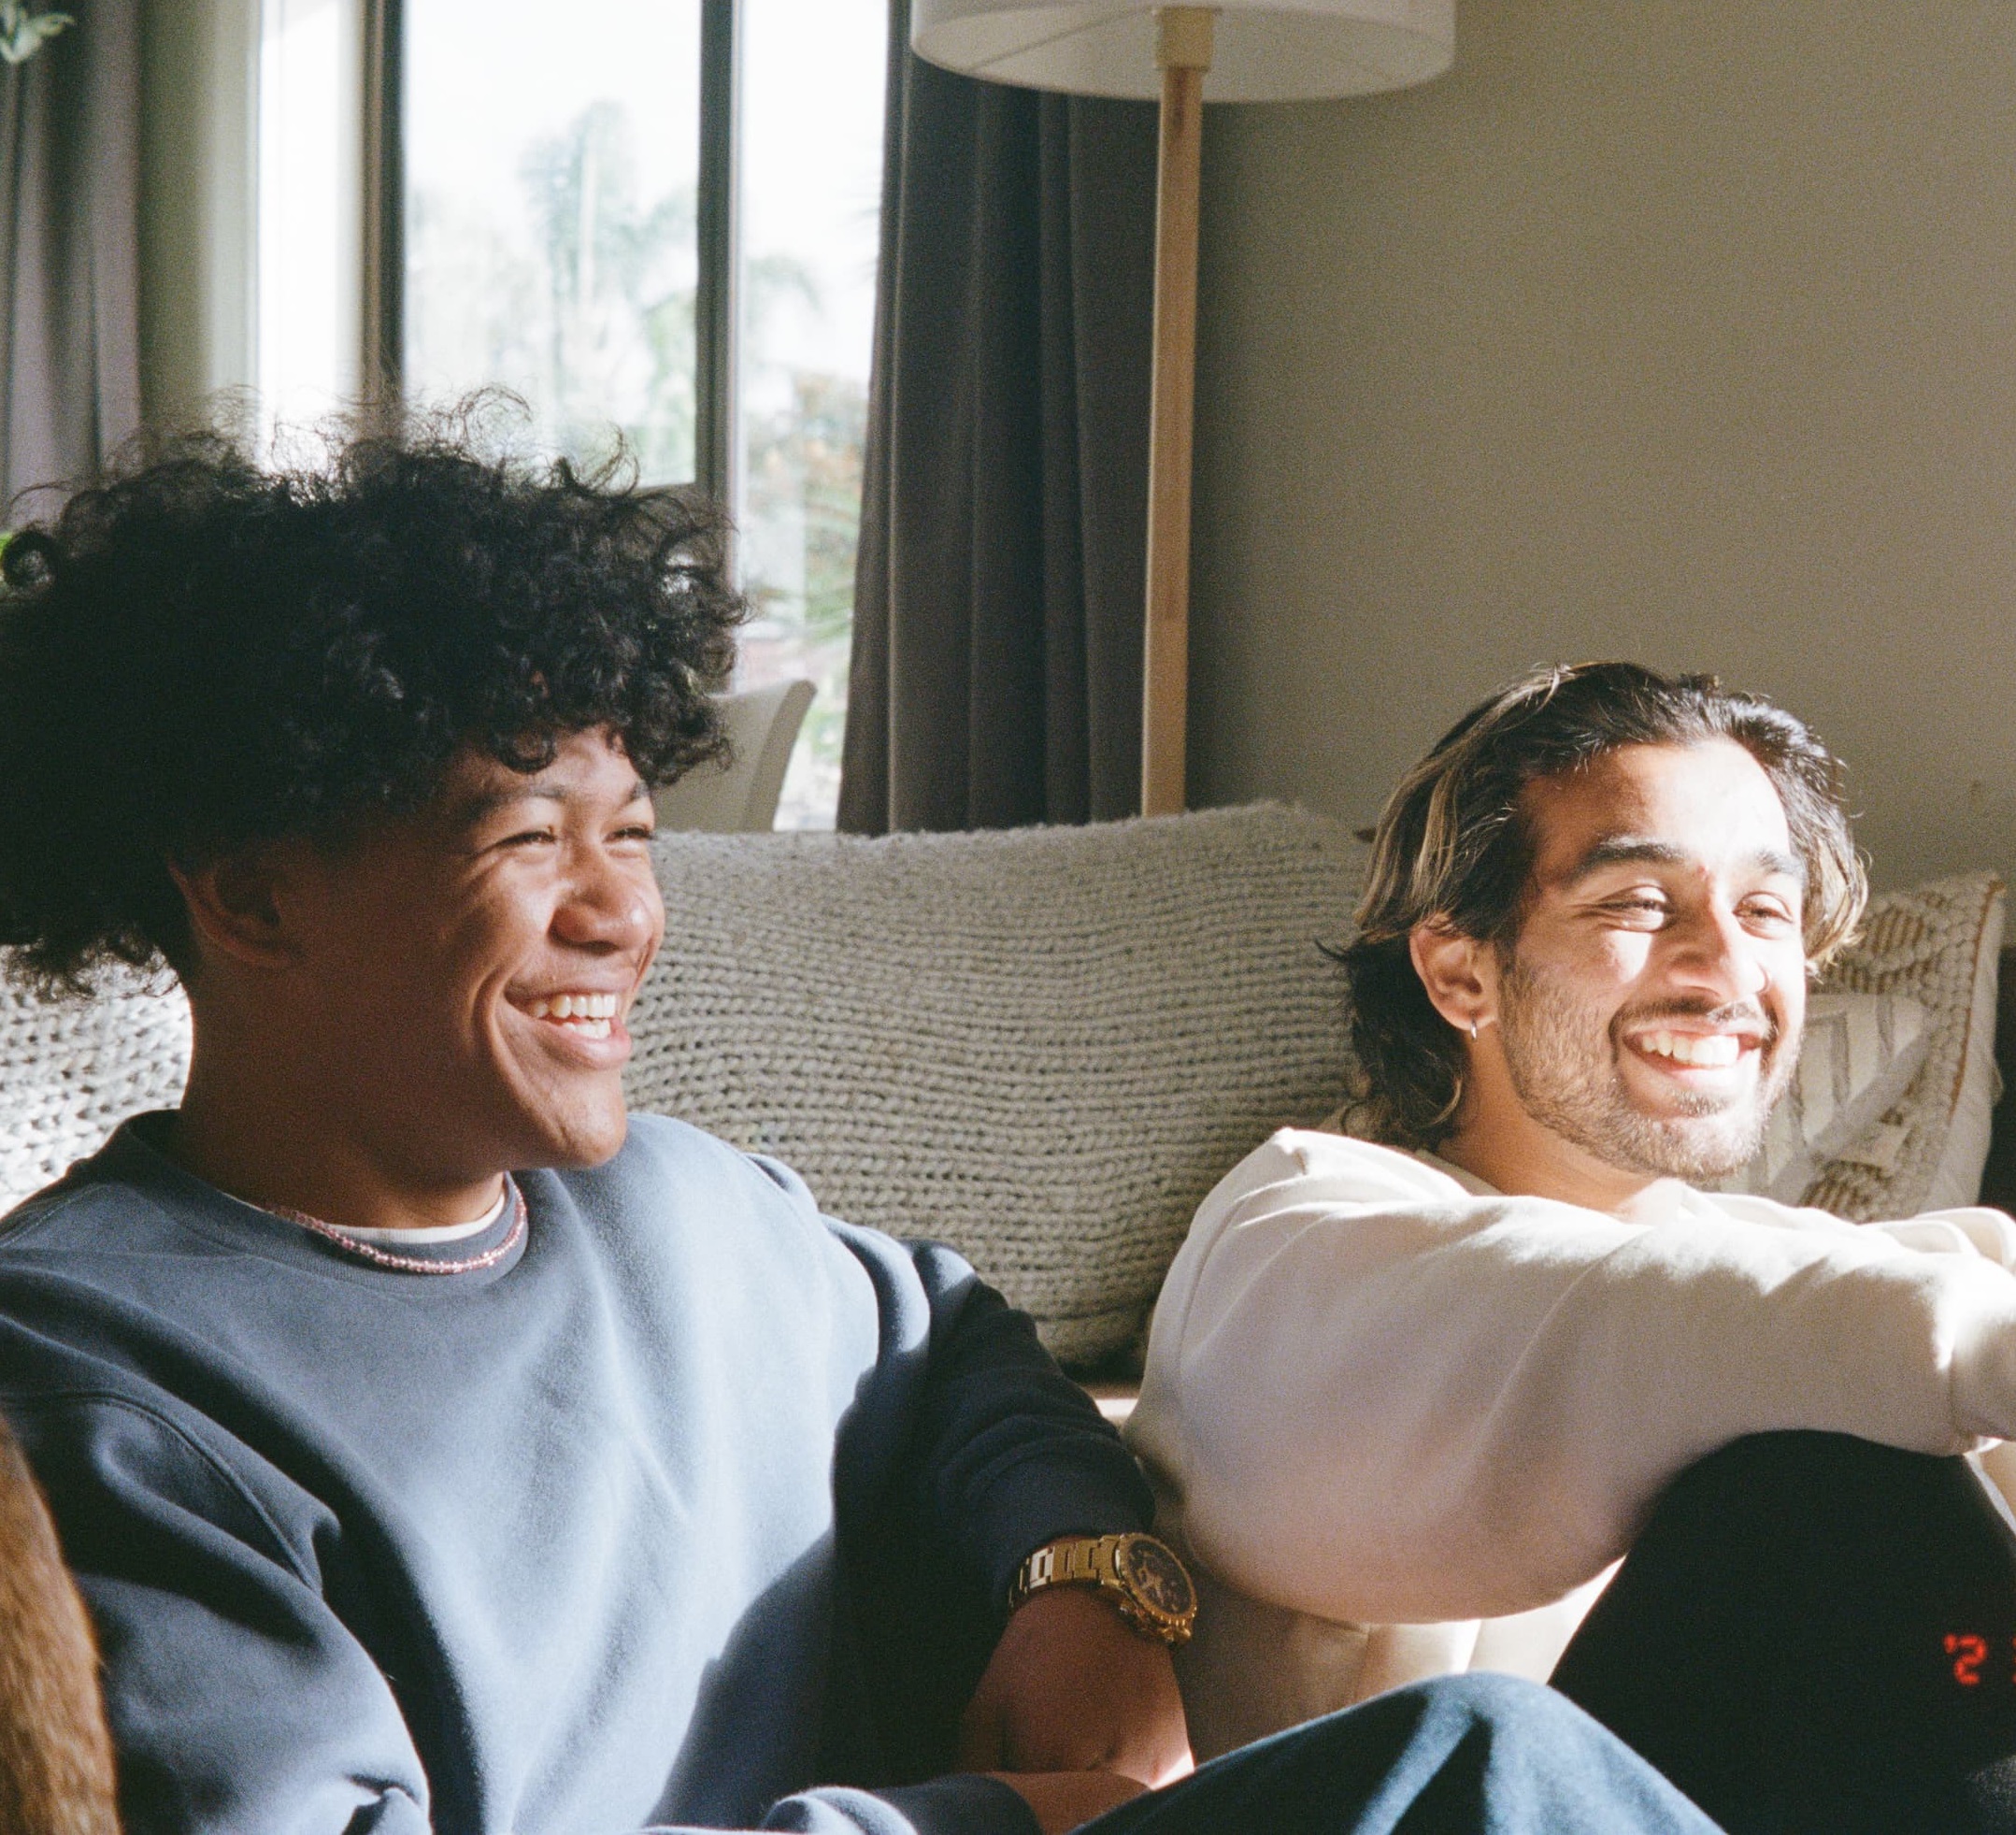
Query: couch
x=1044, y=1045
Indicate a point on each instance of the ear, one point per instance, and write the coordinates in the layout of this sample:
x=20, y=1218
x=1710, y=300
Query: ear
x=1460, y=974
x=235, y=908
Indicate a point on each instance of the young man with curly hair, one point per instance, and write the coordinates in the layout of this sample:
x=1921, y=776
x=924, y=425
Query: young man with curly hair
x=1454, y=1368
x=437, y=1447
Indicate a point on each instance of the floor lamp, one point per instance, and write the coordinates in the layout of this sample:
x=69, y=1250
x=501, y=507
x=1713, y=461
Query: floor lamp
x=1236, y=51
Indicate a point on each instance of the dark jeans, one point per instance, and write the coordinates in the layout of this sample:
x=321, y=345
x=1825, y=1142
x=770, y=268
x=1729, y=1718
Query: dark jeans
x=1788, y=1639
x=1477, y=1755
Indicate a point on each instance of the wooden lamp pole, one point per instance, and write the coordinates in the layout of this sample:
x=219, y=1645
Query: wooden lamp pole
x=1183, y=52
x=1269, y=50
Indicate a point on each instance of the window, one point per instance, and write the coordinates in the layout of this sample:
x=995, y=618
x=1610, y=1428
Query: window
x=811, y=186
x=563, y=177
x=551, y=161
x=308, y=331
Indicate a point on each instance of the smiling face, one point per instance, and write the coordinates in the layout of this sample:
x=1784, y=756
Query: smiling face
x=470, y=967
x=1649, y=1013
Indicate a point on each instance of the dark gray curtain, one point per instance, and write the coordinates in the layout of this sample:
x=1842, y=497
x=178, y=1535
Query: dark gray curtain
x=996, y=673
x=70, y=246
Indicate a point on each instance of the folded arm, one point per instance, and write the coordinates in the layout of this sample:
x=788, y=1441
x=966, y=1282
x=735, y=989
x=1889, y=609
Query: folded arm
x=1071, y=1708
x=1377, y=1397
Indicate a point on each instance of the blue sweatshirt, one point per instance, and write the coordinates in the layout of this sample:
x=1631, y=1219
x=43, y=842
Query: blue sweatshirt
x=693, y=1500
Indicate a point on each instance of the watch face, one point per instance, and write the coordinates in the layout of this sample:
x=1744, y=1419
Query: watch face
x=1156, y=1577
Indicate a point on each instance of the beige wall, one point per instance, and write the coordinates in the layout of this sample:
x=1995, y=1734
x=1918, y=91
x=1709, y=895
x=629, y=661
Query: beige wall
x=1676, y=329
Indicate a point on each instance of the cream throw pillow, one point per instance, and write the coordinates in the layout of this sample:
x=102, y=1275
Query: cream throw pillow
x=1939, y=945
x=1861, y=1053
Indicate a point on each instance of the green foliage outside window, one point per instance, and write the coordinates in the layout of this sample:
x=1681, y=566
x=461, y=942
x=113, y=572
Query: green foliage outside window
x=585, y=307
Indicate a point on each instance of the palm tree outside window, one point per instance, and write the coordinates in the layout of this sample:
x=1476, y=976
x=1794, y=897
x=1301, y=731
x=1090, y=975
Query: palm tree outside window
x=657, y=218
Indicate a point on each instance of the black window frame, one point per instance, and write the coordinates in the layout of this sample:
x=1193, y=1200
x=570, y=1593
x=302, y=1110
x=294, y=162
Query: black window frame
x=716, y=214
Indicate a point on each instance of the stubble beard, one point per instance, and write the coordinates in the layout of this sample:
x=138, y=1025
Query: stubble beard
x=1564, y=1067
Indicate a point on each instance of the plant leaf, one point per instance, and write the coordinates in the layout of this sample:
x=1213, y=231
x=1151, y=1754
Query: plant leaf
x=22, y=33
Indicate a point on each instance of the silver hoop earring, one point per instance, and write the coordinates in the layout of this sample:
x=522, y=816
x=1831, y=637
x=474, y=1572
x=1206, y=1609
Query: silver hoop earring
x=1473, y=1029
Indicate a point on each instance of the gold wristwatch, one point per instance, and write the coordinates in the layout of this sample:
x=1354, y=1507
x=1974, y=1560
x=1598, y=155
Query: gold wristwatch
x=1141, y=1576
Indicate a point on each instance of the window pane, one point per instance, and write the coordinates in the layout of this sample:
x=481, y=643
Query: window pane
x=551, y=153
x=812, y=77
x=310, y=200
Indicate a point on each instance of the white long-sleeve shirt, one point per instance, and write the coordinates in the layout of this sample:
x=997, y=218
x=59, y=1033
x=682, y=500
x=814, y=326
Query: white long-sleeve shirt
x=1379, y=1392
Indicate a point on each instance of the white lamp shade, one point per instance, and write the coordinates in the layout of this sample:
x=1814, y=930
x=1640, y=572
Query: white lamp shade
x=1266, y=50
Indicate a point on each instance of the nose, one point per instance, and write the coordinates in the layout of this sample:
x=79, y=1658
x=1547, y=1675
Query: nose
x=608, y=904
x=1716, y=955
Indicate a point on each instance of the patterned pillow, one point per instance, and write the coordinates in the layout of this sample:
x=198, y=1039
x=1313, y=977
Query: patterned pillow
x=1043, y=1046
x=1861, y=1054
x=1938, y=946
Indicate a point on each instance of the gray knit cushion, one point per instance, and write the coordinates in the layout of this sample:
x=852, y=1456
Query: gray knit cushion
x=1043, y=1046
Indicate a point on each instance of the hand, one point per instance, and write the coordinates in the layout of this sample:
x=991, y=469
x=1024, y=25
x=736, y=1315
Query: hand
x=1070, y=1687
x=1065, y=1800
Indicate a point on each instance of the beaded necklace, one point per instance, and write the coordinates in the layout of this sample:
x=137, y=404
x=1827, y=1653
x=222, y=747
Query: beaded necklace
x=379, y=1258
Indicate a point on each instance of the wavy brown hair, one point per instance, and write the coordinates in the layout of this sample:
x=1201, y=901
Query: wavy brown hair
x=1454, y=846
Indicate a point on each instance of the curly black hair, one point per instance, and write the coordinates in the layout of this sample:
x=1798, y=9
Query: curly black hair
x=198, y=652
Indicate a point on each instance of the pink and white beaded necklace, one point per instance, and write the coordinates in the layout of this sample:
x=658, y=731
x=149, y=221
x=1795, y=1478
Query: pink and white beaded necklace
x=377, y=1257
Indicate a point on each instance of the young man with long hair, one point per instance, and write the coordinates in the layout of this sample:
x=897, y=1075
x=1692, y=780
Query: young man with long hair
x=1457, y=1366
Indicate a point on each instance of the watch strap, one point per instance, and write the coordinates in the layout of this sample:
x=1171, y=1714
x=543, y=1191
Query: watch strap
x=1077, y=1561
x=1107, y=1563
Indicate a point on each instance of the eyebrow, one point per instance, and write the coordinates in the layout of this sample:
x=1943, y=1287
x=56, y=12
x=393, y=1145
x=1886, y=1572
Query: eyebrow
x=1639, y=850
x=484, y=804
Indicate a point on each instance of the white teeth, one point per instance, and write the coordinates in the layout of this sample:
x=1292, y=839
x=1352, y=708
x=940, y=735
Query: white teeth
x=1713, y=1051
x=586, y=1013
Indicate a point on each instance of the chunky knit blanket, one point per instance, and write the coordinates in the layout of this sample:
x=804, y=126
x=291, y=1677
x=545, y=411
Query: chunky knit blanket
x=71, y=1070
